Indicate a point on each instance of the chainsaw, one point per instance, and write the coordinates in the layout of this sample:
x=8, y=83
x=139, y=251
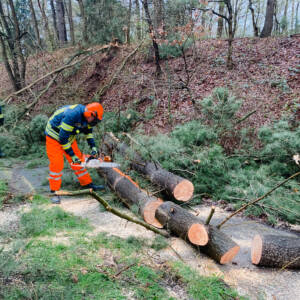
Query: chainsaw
x=92, y=162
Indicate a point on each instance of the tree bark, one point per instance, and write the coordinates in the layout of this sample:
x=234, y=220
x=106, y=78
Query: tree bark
x=18, y=43
x=220, y=247
x=220, y=20
x=84, y=21
x=182, y=223
x=129, y=23
x=177, y=187
x=14, y=70
x=138, y=21
x=276, y=251
x=230, y=34
x=255, y=28
x=54, y=19
x=61, y=23
x=9, y=71
x=153, y=37
x=267, y=30
x=46, y=24
x=35, y=24
x=132, y=195
x=71, y=23
x=293, y=16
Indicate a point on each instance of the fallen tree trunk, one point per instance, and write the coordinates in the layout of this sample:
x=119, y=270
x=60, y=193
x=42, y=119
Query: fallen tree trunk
x=182, y=223
x=276, y=251
x=211, y=240
x=131, y=194
x=179, y=188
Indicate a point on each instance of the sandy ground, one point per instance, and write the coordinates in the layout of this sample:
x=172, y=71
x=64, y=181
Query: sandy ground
x=256, y=283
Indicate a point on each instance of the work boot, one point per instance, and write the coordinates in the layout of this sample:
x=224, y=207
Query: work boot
x=55, y=199
x=94, y=187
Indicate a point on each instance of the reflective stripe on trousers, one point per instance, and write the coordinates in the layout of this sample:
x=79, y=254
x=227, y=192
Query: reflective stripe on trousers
x=56, y=155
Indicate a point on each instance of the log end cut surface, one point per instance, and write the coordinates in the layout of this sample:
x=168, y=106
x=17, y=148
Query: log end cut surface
x=256, y=250
x=149, y=213
x=183, y=191
x=229, y=255
x=198, y=235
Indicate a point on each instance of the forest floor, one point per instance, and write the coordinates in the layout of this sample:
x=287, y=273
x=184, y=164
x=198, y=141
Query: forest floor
x=265, y=77
x=247, y=279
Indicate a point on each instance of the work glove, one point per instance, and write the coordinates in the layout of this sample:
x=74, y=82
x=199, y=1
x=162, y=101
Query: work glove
x=94, y=152
x=75, y=160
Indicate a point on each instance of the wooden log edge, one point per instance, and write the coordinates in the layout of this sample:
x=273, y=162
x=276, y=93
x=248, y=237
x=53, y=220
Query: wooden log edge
x=183, y=191
x=149, y=212
x=256, y=250
x=229, y=255
x=197, y=234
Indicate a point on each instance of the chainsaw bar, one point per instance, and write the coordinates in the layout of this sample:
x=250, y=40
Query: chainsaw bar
x=96, y=163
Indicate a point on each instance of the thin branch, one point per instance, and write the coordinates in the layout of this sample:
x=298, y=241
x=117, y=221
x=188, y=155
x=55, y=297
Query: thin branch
x=212, y=211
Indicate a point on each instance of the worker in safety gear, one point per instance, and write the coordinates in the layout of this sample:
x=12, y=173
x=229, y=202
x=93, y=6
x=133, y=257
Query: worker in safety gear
x=1, y=123
x=61, y=131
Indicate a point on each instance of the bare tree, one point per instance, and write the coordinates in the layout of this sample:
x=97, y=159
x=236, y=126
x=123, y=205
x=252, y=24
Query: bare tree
x=254, y=23
x=220, y=20
x=61, y=23
x=268, y=26
x=229, y=21
x=84, y=21
x=46, y=23
x=153, y=36
x=293, y=15
x=128, y=23
x=138, y=21
x=12, y=39
x=54, y=19
x=70, y=19
x=35, y=24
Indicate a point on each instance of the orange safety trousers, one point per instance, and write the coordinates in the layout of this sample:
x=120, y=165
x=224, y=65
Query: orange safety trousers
x=55, y=155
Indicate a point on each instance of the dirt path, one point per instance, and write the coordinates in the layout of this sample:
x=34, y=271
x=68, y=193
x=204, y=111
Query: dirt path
x=257, y=283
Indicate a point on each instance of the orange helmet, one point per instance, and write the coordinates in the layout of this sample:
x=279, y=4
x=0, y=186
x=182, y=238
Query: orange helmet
x=94, y=109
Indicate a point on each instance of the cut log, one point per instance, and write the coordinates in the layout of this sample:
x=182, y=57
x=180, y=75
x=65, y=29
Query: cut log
x=276, y=251
x=210, y=240
x=177, y=187
x=131, y=194
x=182, y=223
x=220, y=246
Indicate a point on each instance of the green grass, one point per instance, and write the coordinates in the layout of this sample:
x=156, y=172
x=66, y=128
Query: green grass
x=39, y=221
x=202, y=288
x=40, y=263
